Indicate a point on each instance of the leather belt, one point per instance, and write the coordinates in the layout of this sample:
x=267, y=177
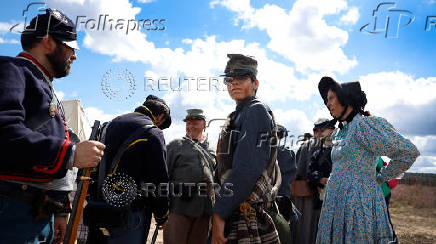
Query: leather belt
x=42, y=205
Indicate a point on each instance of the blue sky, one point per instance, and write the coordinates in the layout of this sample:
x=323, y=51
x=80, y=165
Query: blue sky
x=295, y=43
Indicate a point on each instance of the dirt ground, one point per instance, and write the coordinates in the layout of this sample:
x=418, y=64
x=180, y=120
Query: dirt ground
x=413, y=214
x=414, y=225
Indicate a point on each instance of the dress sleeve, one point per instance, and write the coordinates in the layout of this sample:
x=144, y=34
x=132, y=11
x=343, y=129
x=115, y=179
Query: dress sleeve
x=380, y=138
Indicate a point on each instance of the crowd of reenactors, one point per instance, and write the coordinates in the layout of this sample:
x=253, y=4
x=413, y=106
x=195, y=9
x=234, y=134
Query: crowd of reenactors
x=252, y=189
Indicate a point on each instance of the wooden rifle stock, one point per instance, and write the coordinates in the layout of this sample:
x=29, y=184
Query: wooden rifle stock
x=83, y=178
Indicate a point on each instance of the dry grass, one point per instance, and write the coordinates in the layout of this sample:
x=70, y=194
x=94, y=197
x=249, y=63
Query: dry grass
x=416, y=196
x=413, y=213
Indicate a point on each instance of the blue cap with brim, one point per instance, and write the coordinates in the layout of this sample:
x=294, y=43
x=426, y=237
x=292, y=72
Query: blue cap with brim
x=55, y=24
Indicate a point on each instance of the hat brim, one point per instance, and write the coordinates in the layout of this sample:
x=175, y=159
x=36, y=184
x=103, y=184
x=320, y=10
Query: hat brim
x=325, y=84
x=330, y=124
x=194, y=117
x=240, y=72
x=73, y=44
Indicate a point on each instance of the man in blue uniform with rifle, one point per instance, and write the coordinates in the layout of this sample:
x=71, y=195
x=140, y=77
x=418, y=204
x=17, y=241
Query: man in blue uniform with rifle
x=35, y=142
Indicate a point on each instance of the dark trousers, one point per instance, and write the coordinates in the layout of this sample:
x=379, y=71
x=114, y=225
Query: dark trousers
x=17, y=225
x=387, y=199
x=135, y=232
x=183, y=229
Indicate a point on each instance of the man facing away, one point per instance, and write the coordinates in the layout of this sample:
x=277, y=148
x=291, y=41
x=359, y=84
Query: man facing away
x=191, y=164
x=246, y=157
x=136, y=148
x=35, y=143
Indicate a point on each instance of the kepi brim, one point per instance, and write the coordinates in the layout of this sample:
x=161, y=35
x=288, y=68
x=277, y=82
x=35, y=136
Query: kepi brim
x=73, y=44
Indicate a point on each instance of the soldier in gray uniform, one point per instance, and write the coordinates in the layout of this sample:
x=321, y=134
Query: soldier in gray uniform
x=191, y=164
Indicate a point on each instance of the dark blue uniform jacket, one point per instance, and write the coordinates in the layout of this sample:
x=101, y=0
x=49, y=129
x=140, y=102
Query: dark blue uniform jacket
x=144, y=159
x=25, y=96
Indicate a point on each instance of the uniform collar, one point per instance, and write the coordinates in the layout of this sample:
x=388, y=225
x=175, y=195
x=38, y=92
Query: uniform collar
x=196, y=140
x=244, y=103
x=41, y=67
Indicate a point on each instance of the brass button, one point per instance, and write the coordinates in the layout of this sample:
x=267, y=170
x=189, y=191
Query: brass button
x=24, y=187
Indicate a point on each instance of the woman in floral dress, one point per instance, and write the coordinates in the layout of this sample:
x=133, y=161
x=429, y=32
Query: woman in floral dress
x=354, y=210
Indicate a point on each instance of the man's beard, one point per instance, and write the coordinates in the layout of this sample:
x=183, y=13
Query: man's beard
x=58, y=62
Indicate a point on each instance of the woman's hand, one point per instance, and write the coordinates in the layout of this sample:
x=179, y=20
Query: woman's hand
x=323, y=181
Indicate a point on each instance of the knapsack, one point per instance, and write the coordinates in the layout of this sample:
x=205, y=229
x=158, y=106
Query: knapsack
x=98, y=213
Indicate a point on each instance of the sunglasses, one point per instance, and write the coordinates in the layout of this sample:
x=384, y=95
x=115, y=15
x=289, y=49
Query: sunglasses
x=239, y=79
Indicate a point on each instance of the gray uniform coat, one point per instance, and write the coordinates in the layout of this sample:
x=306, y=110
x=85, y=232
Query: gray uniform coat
x=190, y=162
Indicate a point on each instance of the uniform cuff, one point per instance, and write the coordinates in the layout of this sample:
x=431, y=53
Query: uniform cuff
x=71, y=159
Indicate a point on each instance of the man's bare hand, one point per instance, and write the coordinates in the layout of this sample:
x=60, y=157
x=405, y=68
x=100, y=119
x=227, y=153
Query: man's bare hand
x=60, y=227
x=88, y=154
x=218, y=230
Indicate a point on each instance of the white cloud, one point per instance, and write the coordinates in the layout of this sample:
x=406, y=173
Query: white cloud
x=296, y=121
x=301, y=34
x=187, y=41
x=351, y=16
x=322, y=113
x=4, y=27
x=425, y=144
x=424, y=164
x=93, y=113
x=385, y=89
x=206, y=57
x=60, y=95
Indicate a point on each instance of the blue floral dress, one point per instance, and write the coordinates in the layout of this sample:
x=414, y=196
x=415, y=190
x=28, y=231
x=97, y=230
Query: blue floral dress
x=354, y=209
